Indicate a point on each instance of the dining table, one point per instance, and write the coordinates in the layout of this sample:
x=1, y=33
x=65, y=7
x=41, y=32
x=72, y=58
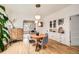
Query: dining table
x=38, y=38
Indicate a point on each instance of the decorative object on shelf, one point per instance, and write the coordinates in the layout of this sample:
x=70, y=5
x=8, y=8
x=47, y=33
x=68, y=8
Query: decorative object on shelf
x=4, y=34
x=61, y=30
x=54, y=23
x=50, y=24
x=52, y=30
x=61, y=21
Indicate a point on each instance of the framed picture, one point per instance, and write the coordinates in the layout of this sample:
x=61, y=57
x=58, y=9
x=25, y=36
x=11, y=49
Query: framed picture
x=40, y=24
x=54, y=24
x=50, y=24
x=61, y=21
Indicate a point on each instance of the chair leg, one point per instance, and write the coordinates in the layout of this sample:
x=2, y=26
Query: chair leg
x=44, y=46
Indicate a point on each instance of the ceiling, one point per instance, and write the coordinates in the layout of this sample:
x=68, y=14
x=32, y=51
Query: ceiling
x=31, y=10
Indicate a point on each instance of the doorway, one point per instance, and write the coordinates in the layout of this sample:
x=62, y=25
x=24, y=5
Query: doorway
x=28, y=26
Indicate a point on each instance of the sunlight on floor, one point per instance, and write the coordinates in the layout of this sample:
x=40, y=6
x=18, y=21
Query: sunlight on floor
x=20, y=48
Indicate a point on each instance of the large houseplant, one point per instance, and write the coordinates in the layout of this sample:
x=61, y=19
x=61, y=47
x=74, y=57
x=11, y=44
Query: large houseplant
x=3, y=29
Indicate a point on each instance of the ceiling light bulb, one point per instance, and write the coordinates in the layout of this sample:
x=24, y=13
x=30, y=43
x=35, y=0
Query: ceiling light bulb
x=36, y=21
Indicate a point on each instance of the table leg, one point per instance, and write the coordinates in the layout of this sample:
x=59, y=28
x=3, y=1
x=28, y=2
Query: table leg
x=37, y=46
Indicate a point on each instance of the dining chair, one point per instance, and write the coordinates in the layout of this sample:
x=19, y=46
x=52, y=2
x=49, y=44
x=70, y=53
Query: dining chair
x=26, y=38
x=44, y=41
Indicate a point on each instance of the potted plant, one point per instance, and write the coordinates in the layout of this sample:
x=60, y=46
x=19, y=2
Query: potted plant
x=4, y=34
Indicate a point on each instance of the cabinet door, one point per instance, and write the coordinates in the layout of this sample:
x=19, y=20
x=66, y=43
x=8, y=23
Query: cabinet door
x=16, y=34
x=13, y=34
x=19, y=34
x=62, y=38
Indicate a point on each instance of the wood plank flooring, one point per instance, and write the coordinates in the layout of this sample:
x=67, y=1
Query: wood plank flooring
x=54, y=47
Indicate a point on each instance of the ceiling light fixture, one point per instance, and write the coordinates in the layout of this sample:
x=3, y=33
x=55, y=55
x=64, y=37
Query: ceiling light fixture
x=37, y=5
x=37, y=17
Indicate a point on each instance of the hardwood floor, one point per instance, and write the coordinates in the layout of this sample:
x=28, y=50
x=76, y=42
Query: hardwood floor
x=56, y=47
x=53, y=47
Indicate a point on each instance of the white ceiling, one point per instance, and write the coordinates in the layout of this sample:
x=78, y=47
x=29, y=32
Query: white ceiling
x=30, y=10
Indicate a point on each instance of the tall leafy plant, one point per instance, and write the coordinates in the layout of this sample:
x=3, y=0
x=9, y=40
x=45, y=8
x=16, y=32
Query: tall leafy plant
x=3, y=29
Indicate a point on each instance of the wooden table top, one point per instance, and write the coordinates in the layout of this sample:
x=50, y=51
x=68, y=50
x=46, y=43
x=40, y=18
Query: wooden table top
x=38, y=36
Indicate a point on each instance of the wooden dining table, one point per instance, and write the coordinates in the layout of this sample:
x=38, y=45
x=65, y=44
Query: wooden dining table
x=38, y=38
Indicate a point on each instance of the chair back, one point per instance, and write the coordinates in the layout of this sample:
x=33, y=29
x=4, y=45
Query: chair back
x=26, y=39
x=45, y=40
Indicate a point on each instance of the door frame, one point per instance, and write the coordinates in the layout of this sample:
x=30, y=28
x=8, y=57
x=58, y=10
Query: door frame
x=70, y=30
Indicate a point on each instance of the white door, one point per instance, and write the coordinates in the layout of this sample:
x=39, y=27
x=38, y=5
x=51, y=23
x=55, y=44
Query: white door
x=74, y=30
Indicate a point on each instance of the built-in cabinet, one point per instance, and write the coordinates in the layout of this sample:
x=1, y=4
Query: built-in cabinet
x=16, y=34
x=56, y=31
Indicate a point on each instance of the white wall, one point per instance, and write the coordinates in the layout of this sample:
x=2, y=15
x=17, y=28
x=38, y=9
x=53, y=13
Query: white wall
x=18, y=18
x=17, y=12
x=64, y=13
